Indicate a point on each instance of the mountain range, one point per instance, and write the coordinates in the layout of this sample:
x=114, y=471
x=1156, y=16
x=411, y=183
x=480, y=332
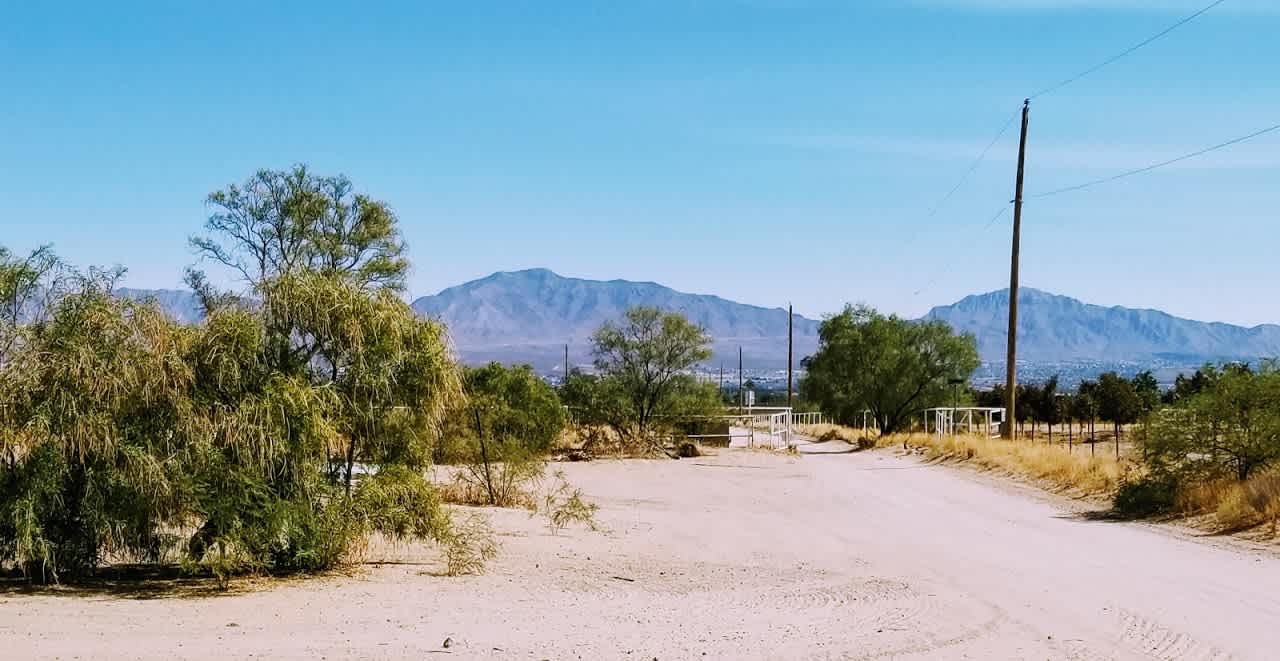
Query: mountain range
x=530, y=315
x=1055, y=328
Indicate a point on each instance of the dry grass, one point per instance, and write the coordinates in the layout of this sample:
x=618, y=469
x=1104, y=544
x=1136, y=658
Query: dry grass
x=1223, y=506
x=1052, y=466
x=1235, y=506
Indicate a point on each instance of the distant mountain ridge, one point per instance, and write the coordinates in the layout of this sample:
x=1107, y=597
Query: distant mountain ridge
x=535, y=312
x=529, y=315
x=1055, y=328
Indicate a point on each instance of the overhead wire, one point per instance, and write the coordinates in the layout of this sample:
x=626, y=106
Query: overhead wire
x=1155, y=166
x=964, y=178
x=947, y=269
x=1125, y=53
x=1069, y=81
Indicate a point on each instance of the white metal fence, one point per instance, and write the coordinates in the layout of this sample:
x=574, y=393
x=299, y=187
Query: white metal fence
x=806, y=419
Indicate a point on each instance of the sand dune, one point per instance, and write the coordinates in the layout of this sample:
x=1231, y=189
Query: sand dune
x=746, y=555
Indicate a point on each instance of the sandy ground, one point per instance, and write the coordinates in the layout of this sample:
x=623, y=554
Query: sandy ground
x=746, y=555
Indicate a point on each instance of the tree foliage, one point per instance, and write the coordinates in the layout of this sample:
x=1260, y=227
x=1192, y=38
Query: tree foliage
x=516, y=405
x=28, y=288
x=644, y=361
x=890, y=366
x=1230, y=427
x=1118, y=400
x=280, y=223
x=511, y=419
x=235, y=444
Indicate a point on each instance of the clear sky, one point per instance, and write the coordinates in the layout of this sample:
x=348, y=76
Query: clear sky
x=762, y=150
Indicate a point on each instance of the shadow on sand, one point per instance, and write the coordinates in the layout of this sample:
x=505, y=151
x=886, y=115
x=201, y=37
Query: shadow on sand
x=143, y=582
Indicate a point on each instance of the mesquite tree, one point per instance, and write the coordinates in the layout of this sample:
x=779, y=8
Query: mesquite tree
x=890, y=366
x=645, y=359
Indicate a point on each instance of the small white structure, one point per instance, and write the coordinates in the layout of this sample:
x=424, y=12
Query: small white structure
x=947, y=420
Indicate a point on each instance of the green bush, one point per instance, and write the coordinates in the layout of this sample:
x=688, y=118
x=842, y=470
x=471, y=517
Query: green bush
x=1149, y=496
x=510, y=407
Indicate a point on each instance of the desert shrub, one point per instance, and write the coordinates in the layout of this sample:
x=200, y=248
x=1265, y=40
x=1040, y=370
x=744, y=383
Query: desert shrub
x=469, y=543
x=1148, y=496
x=563, y=505
x=507, y=475
x=1235, y=512
x=94, y=396
x=498, y=439
x=599, y=440
x=1214, y=445
x=507, y=406
x=1229, y=428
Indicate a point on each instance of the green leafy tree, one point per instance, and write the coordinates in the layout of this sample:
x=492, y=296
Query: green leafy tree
x=1118, y=402
x=516, y=404
x=596, y=401
x=1049, y=405
x=1231, y=427
x=29, y=287
x=644, y=359
x=1186, y=386
x=1148, y=391
x=390, y=372
x=125, y=430
x=93, y=433
x=511, y=406
x=1085, y=405
x=511, y=419
x=891, y=366
x=280, y=223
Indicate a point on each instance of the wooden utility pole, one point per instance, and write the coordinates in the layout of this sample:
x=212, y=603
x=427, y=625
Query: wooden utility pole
x=722, y=383
x=1011, y=359
x=790, y=345
x=566, y=363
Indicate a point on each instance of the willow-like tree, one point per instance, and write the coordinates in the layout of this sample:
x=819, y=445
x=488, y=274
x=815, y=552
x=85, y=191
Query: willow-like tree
x=364, y=381
x=890, y=366
x=93, y=434
x=236, y=442
x=29, y=286
x=283, y=222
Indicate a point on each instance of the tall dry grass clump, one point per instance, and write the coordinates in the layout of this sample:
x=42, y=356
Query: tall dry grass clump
x=1056, y=466
x=1234, y=506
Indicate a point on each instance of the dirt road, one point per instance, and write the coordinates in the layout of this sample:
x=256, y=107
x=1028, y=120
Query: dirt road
x=742, y=556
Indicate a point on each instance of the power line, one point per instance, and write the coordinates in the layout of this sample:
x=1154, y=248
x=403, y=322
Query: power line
x=1127, y=52
x=947, y=269
x=1156, y=166
x=973, y=167
x=1054, y=88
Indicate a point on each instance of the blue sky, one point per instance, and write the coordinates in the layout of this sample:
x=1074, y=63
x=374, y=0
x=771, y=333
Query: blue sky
x=763, y=150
